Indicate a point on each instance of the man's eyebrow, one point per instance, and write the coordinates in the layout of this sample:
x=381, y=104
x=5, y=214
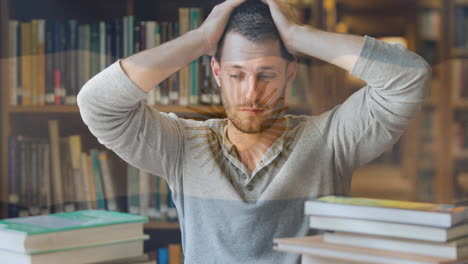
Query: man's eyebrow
x=262, y=68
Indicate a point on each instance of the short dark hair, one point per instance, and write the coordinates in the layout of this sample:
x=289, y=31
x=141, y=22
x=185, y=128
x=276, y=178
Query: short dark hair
x=252, y=19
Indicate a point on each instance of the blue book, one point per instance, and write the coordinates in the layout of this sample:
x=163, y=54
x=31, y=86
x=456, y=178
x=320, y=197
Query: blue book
x=163, y=256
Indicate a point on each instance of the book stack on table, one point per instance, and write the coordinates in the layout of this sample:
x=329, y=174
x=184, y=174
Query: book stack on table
x=361, y=230
x=89, y=236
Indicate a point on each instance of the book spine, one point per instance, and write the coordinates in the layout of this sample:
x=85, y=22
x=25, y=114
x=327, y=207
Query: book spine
x=133, y=193
x=34, y=61
x=12, y=61
x=109, y=42
x=102, y=45
x=184, y=72
x=23, y=175
x=130, y=37
x=71, y=52
x=86, y=52
x=58, y=198
x=46, y=204
x=41, y=63
x=57, y=64
x=19, y=73
x=108, y=180
x=26, y=63
x=165, y=83
x=194, y=87
x=98, y=183
x=49, y=63
x=13, y=176
x=118, y=39
x=33, y=182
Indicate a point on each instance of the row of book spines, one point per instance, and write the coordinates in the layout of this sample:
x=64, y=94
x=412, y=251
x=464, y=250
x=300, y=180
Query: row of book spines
x=149, y=195
x=87, y=181
x=172, y=254
x=68, y=54
x=33, y=187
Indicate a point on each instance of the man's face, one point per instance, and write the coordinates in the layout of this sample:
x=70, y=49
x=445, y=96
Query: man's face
x=253, y=78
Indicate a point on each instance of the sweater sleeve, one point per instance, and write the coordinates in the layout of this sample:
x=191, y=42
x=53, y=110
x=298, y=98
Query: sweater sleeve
x=373, y=118
x=111, y=106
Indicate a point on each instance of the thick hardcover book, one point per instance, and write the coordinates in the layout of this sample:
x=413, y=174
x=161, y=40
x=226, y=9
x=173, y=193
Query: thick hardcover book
x=438, y=215
x=64, y=230
x=409, y=231
x=92, y=253
x=315, y=246
x=453, y=249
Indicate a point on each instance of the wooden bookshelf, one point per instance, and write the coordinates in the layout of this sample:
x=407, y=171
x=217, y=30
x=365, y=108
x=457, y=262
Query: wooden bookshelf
x=162, y=225
x=463, y=105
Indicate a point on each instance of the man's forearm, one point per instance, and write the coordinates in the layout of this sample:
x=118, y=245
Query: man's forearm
x=339, y=49
x=150, y=67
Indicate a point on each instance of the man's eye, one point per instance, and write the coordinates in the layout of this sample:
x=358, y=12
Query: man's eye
x=235, y=76
x=265, y=76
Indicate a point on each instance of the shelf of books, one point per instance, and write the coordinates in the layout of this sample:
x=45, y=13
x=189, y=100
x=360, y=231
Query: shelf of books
x=453, y=148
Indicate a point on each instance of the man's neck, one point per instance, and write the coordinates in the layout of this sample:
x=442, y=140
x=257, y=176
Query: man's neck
x=251, y=147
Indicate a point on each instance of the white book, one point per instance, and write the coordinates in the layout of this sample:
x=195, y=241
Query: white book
x=316, y=247
x=453, y=249
x=369, y=227
x=91, y=253
x=438, y=215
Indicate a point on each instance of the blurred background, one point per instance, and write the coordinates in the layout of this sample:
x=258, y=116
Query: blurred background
x=50, y=162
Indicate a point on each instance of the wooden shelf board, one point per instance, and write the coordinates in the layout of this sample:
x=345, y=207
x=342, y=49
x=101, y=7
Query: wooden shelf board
x=430, y=102
x=161, y=225
x=461, y=2
x=457, y=52
x=460, y=154
x=430, y=4
x=74, y=109
x=461, y=104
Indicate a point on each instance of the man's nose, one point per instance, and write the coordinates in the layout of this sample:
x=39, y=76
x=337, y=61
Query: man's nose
x=253, y=89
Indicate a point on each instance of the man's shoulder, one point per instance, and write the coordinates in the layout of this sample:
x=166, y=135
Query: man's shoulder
x=191, y=126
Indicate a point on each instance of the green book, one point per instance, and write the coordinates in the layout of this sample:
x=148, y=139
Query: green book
x=71, y=229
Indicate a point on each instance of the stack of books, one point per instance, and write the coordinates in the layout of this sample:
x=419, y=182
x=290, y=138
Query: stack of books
x=89, y=236
x=361, y=230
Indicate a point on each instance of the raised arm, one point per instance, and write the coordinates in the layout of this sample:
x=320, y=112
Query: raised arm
x=111, y=102
x=374, y=117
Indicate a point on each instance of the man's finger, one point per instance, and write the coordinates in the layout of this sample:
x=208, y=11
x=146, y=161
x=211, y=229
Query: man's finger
x=233, y=3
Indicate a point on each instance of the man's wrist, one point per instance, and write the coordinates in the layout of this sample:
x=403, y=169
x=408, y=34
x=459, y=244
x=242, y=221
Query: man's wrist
x=205, y=46
x=297, y=34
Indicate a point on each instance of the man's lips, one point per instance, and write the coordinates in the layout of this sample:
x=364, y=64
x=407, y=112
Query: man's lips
x=252, y=110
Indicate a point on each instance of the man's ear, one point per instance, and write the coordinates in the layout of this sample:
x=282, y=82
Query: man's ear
x=291, y=73
x=215, y=67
